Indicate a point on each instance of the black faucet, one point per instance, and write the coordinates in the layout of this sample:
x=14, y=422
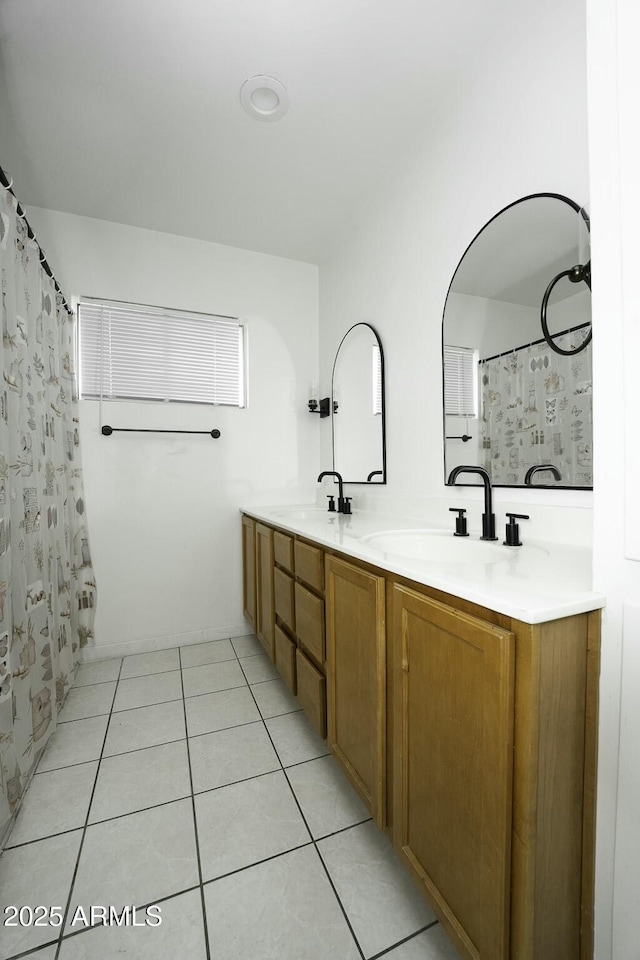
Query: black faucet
x=528, y=477
x=488, y=517
x=341, y=500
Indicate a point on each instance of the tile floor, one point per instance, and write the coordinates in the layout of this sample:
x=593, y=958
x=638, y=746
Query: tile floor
x=190, y=779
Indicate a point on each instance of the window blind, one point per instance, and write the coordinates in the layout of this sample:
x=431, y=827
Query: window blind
x=377, y=380
x=460, y=382
x=133, y=352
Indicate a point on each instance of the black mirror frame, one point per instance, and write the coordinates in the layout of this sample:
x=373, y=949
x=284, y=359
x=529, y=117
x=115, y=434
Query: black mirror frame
x=379, y=483
x=531, y=196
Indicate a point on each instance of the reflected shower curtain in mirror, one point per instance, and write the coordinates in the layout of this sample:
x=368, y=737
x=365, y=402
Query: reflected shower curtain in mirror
x=47, y=589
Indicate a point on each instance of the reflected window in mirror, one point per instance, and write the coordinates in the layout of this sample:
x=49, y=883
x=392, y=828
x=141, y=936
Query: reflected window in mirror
x=534, y=403
x=358, y=414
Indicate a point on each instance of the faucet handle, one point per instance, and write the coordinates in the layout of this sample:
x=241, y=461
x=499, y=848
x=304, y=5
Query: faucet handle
x=332, y=503
x=347, y=505
x=461, y=521
x=512, y=530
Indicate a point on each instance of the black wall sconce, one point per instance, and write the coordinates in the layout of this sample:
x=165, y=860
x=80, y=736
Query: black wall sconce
x=323, y=408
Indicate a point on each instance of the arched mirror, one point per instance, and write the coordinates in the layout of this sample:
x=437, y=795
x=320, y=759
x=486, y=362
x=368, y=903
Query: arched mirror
x=517, y=402
x=357, y=417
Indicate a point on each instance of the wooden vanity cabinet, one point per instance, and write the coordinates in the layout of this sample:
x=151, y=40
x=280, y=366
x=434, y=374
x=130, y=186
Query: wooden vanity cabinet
x=470, y=735
x=494, y=759
x=454, y=700
x=249, y=570
x=356, y=678
x=264, y=620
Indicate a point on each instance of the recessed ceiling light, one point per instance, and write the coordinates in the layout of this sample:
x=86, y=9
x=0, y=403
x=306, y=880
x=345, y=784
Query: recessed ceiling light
x=264, y=98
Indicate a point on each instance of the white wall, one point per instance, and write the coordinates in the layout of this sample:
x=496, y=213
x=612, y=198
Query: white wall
x=508, y=135
x=614, y=93
x=163, y=512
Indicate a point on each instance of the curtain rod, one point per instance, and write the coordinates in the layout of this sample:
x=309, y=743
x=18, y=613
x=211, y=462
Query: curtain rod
x=8, y=185
x=534, y=343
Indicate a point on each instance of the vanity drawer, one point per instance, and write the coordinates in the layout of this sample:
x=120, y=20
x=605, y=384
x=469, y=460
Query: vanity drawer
x=312, y=692
x=310, y=622
x=286, y=658
x=284, y=598
x=310, y=565
x=283, y=550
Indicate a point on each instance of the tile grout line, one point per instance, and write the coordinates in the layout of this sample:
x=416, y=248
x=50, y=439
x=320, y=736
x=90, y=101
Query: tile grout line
x=195, y=820
x=304, y=820
x=86, y=823
x=400, y=943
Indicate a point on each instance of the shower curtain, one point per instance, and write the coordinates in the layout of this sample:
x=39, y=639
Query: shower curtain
x=47, y=589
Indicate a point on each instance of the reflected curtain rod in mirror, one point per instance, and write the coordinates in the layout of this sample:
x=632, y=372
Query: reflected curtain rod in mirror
x=522, y=394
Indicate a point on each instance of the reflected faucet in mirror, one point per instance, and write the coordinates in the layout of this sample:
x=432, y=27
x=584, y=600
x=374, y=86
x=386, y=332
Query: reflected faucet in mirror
x=488, y=517
x=538, y=468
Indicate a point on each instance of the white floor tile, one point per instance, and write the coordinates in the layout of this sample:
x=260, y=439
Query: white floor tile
x=90, y=701
x=228, y=756
x=298, y=917
x=37, y=874
x=137, y=859
x=246, y=646
x=46, y=953
x=181, y=934
x=54, y=802
x=217, y=711
x=274, y=698
x=198, y=653
x=246, y=822
x=74, y=742
x=295, y=739
x=380, y=899
x=259, y=668
x=97, y=671
x=211, y=677
x=328, y=800
x=143, y=691
x=142, y=664
x=433, y=944
x=145, y=727
x=132, y=781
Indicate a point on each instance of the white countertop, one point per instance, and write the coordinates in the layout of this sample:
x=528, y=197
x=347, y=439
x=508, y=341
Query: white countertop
x=536, y=582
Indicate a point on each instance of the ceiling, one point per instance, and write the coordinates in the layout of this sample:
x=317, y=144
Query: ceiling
x=129, y=110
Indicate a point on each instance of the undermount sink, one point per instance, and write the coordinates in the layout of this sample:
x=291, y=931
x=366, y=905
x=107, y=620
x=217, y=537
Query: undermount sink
x=300, y=513
x=440, y=546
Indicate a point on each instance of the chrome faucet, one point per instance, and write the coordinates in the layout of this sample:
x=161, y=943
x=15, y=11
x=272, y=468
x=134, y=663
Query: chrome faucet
x=488, y=517
x=341, y=500
x=528, y=477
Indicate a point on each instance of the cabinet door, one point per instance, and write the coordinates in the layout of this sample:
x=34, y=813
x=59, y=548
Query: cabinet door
x=356, y=694
x=454, y=696
x=249, y=570
x=265, y=616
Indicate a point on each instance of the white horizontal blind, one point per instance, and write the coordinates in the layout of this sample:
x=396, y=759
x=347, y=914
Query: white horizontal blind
x=460, y=382
x=377, y=380
x=133, y=352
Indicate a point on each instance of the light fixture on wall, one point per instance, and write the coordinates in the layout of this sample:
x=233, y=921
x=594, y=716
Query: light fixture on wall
x=323, y=407
x=264, y=98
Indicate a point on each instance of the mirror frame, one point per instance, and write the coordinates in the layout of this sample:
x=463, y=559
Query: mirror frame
x=508, y=486
x=378, y=483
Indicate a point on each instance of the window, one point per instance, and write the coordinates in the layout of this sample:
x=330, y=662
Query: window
x=133, y=352
x=376, y=380
x=460, y=382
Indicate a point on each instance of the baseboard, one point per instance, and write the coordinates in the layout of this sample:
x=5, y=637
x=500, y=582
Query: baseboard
x=104, y=651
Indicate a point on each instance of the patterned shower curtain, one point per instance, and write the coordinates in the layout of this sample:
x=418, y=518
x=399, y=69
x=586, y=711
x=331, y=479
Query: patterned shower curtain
x=47, y=589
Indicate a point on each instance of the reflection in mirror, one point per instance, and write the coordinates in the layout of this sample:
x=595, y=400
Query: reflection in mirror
x=357, y=419
x=511, y=401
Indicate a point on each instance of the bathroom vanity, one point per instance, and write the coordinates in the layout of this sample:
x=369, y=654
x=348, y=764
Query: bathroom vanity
x=458, y=691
